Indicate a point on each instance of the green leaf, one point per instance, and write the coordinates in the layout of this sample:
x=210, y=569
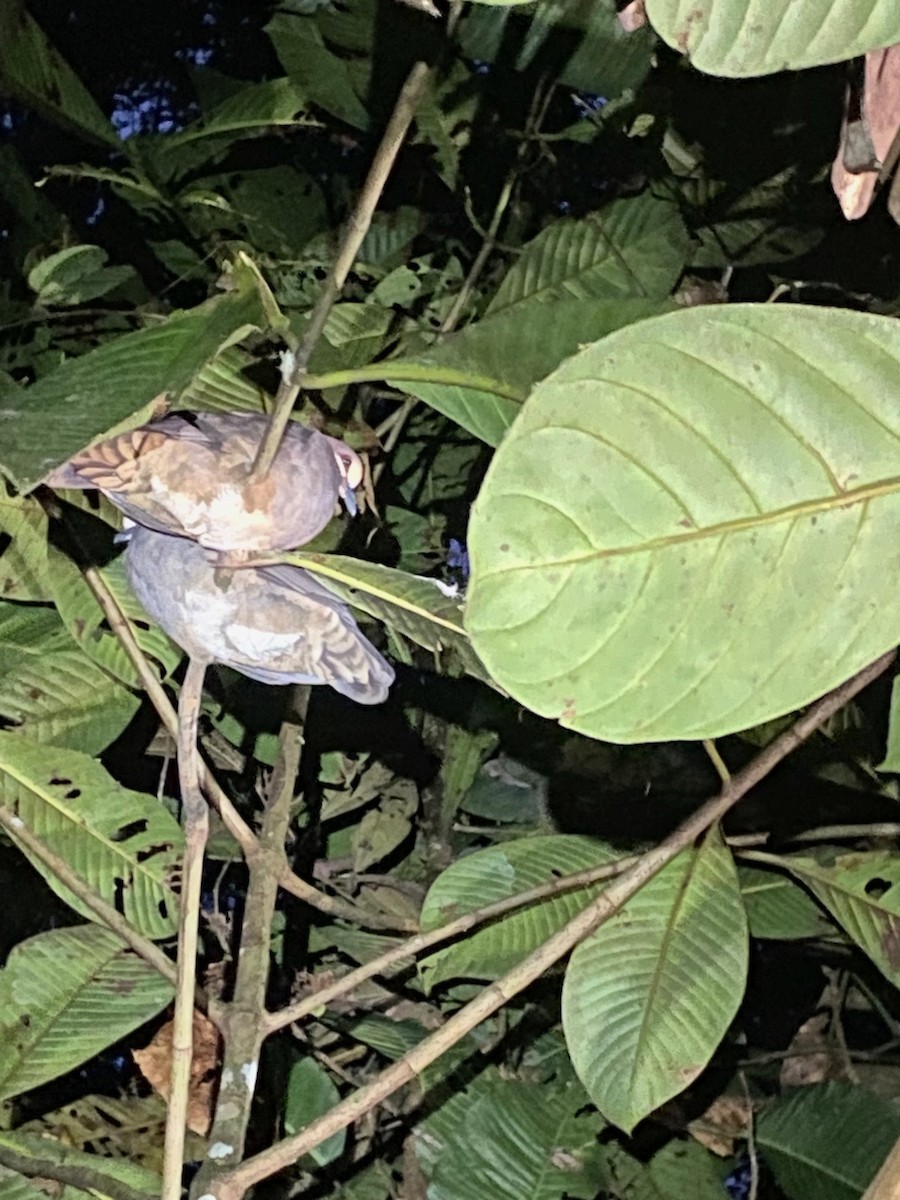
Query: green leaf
x=505, y=355
x=778, y=908
x=50, y=690
x=37, y=221
x=123, y=844
x=384, y=828
x=697, y=513
x=37, y=565
x=797, y=1138
x=649, y=996
x=85, y=399
x=738, y=38
x=862, y=893
x=635, y=247
x=426, y=611
x=23, y=561
x=336, y=84
x=65, y=996
x=310, y=1093
x=494, y=874
x=256, y=108
x=521, y=1141
x=605, y=60
x=76, y=275
x=50, y=1158
x=891, y=760
x=36, y=74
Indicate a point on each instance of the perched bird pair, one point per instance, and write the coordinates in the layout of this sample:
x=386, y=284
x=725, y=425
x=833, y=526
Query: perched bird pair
x=186, y=483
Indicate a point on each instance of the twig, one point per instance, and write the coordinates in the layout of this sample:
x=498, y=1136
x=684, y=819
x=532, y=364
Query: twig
x=105, y=913
x=822, y=833
x=232, y=1185
x=712, y=752
x=243, y=1030
x=357, y=227
x=196, y=831
x=231, y=818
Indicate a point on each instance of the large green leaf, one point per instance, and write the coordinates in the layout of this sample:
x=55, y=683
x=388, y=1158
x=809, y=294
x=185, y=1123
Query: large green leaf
x=862, y=892
x=426, y=611
x=65, y=996
x=759, y=37
x=123, y=844
x=86, y=397
x=797, y=1138
x=488, y=876
x=649, y=996
x=691, y=527
x=32, y=70
x=636, y=247
x=505, y=355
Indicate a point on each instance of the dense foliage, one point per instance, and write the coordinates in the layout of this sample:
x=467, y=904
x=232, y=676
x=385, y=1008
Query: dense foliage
x=625, y=380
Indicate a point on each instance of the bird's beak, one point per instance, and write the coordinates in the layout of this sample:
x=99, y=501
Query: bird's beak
x=346, y=494
x=351, y=468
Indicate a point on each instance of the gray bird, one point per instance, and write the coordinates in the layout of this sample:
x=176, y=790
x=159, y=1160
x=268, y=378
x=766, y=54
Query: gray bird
x=275, y=624
x=190, y=475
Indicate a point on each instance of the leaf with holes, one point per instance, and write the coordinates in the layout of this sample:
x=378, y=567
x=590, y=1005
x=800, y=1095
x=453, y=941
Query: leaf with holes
x=758, y=37
x=123, y=844
x=698, y=514
x=65, y=996
x=649, y=996
x=862, y=893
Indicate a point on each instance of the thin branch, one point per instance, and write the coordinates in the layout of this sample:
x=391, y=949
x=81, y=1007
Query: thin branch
x=712, y=752
x=357, y=227
x=196, y=832
x=105, y=913
x=233, y=1184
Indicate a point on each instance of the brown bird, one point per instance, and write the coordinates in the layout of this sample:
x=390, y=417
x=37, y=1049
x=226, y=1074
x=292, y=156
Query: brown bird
x=275, y=624
x=190, y=475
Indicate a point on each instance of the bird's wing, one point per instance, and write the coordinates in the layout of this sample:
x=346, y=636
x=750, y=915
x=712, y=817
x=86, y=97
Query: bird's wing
x=338, y=653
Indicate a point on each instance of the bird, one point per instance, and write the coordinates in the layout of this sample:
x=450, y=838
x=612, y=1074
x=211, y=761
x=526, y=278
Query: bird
x=190, y=474
x=275, y=624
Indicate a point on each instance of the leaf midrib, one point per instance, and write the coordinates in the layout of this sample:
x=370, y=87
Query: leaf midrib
x=793, y=512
